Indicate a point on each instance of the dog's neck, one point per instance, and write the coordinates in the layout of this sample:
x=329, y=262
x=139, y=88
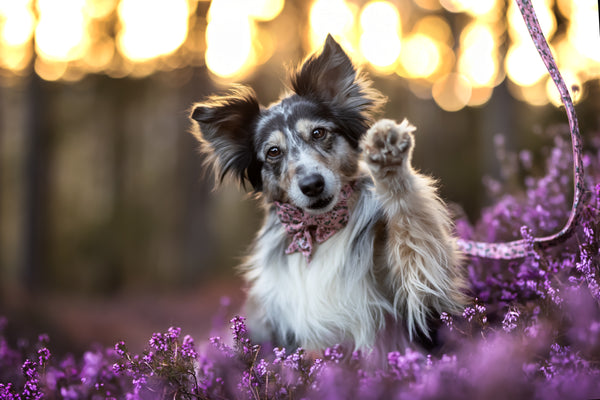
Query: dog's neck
x=304, y=229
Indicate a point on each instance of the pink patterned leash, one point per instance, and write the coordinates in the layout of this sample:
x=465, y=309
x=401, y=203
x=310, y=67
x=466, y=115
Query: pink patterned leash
x=523, y=247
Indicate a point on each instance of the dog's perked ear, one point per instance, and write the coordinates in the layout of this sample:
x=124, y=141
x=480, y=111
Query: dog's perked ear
x=226, y=125
x=331, y=79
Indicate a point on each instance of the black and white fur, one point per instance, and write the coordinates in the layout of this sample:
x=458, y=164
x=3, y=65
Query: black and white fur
x=394, y=267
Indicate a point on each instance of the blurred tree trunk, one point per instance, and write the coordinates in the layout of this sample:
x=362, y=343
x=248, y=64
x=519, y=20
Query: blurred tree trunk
x=119, y=97
x=1, y=175
x=197, y=243
x=36, y=188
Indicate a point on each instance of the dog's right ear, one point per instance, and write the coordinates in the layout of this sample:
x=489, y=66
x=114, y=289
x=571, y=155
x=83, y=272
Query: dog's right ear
x=330, y=78
x=226, y=125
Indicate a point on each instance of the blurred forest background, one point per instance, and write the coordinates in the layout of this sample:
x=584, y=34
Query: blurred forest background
x=110, y=230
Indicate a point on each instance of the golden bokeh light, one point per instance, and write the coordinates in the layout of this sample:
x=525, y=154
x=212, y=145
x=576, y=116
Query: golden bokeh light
x=479, y=37
x=454, y=6
x=17, y=59
x=380, y=41
x=380, y=15
x=572, y=61
x=478, y=58
x=99, y=59
x=452, y=92
x=420, y=56
x=518, y=30
x=335, y=17
x=50, y=70
x=430, y=5
x=476, y=8
x=448, y=50
x=436, y=28
x=257, y=10
x=229, y=46
x=19, y=23
x=479, y=8
x=264, y=10
x=99, y=9
x=60, y=33
x=479, y=69
x=480, y=96
x=584, y=35
x=151, y=28
x=523, y=64
x=536, y=95
x=380, y=49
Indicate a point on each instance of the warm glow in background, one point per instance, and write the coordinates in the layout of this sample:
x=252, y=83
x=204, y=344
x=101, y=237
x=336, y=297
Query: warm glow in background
x=454, y=51
x=108, y=228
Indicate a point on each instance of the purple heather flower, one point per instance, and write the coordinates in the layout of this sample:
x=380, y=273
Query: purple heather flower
x=335, y=353
x=429, y=361
x=468, y=313
x=526, y=159
x=279, y=354
x=510, y=320
x=29, y=369
x=463, y=228
x=69, y=393
x=43, y=356
x=173, y=333
x=238, y=328
x=188, y=348
x=139, y=382
x=405, y=365
x=293, y=360
x=447, y=320
x=42, y=338
x=118, y=368
x=6, y=392
x=158, y=341
x=261, y=368
x=93, y=362
x=148, y=358
x=316, y=367
x=121, y=349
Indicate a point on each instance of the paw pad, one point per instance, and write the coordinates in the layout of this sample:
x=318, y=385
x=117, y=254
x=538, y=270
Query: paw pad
x=387, y=143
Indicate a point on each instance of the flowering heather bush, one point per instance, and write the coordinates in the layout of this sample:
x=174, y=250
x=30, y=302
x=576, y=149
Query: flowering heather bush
x=532, y=330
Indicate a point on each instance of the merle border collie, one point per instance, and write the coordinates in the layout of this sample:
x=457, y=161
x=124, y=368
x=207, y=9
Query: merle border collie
x=356, y=248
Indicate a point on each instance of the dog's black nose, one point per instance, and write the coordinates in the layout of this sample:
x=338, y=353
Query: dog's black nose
x=312, y=185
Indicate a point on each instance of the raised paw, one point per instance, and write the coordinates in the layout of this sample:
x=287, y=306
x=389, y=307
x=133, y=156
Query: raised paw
x=387, y=145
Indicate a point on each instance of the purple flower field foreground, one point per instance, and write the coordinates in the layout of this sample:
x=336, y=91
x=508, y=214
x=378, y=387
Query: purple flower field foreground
x=532, y=330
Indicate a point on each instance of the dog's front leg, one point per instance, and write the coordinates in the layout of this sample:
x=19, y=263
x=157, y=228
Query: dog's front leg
x=424, y=271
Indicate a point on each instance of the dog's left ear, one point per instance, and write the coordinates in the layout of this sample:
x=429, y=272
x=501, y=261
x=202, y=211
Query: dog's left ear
x=331, y=78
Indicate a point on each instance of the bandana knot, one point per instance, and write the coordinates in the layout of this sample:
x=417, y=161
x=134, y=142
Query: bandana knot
x=305, y=229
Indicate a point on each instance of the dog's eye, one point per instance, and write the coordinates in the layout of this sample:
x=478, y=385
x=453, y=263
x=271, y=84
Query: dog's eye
x=319, y=133
x=273, y=152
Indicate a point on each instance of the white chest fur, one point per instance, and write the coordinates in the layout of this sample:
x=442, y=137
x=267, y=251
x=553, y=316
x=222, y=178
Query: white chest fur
x=334, y=299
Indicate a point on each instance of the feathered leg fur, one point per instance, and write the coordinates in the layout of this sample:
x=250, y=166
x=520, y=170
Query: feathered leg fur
x=421, y=253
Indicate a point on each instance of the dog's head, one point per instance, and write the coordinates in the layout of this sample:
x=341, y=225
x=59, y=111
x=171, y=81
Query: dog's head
x=302, y=149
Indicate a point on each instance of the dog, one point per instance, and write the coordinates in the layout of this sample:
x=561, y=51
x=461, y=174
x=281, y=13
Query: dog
x=357, y=248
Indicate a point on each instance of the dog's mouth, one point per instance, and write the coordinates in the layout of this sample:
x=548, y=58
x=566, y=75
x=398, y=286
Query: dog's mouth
x=321, y=203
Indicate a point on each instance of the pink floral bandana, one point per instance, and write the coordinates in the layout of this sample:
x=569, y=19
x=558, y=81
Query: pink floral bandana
x=306, y=228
